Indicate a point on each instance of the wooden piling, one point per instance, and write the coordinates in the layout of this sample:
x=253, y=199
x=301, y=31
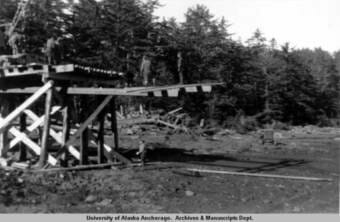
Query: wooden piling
x=84, y=145
x=46, y=129
x=100, y=138
x=4, y=141
x=114, y=127
x=22, y=147
x=84, y=137
x=65, y=134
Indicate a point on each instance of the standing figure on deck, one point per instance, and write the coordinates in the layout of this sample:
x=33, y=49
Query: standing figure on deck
x=145, y=69
x=50, y=50
x=13, y=42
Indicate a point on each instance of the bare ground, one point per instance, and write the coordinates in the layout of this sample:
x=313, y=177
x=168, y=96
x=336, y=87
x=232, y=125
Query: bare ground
x=164, y=186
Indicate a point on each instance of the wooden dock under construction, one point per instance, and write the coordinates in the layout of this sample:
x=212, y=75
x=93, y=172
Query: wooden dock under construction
x=56, y=121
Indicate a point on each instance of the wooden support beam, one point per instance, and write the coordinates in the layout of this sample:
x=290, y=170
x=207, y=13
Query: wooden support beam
x=84, y=146
x=111, y=153
x=22, y=148
x=4, y=142
x=8, y=119
x=30, y=144
x=84, y=125
x=46, y=130
x=114, y=127
x=100, y=138
x=75, y=153
x=117, y=155
x=65, y=133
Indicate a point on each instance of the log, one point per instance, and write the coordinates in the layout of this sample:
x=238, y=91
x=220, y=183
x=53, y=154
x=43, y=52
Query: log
x=174, y=111
x=85, y=167
x=259, y=175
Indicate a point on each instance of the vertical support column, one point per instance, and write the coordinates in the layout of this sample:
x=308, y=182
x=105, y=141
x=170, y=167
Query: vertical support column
x=84, y=145
x=46, y=129
x=65, y=132
x=100, y=142
x=22, y=147
x=84, y=137
x=114, y=122
x=4, y=142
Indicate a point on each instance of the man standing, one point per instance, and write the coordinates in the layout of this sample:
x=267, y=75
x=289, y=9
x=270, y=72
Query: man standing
x=13, y=41
x=50, y=48
x=145, y=69
x=142, y=151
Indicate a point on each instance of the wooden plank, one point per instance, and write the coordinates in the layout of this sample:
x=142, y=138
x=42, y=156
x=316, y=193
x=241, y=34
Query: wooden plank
x=131, y=91
x=46, y=130
x=5, y=123
x=86, y=167
x=173, y=92
x=191, y=89
x=206, y=88
x=259, y=175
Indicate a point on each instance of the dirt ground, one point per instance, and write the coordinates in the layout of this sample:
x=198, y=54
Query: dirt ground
x=164, y=185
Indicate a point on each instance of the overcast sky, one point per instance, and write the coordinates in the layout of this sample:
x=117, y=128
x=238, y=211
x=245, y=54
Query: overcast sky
x=303, y=23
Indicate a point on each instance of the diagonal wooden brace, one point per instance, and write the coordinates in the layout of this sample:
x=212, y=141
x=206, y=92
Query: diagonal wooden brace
x=111, y=152
x=38, y=121
x=29, y=143
x=6, y=121
x=85, y=125
x=53, y=133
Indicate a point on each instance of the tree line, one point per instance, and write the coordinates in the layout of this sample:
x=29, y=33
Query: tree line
x=264, y=81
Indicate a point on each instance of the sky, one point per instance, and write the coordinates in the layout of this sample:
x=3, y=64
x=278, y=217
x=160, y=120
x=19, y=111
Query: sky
x=302, y=23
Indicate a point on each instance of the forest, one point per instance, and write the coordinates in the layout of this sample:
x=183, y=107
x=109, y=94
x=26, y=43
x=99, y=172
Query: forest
x=263, y=81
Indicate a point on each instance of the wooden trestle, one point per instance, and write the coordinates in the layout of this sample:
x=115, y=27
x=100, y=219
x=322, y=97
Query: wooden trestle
x=73, y=140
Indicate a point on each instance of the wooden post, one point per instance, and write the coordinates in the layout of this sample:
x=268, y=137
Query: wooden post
x=65, y=133
x=46, y=130
x=4, y=142
x=114, y=123
x=100, y=139
x=84, y=145
x=22, y=147
x=84, y=136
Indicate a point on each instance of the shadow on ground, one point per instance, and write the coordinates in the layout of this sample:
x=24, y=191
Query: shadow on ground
x=240, y=163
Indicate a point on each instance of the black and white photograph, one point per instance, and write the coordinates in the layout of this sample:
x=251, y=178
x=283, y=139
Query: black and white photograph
x=169, y=110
